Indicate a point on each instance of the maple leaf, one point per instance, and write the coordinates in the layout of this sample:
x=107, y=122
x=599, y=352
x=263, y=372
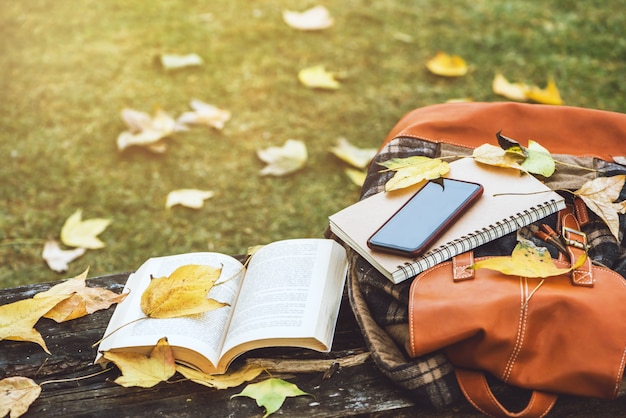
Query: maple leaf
x=527, y=260
x=412, y=170
x=513, y=91
x=283, y=160
x=58, y=259
x=184, y=292
x=549, y=95
x=141, y=370
x=222, y=381
x=191, y=198
x=599, y=195
x=16, y=395
x=496, y=156
x=146, y=131
x=315, y=18
x=176, y=61
x=205, y=114
x=17, y=319
x=353, y=155
x=78, y=233
x=318, y=78
x=522, y=92
x=271, y=393
x=81, y=300
x=447, y=65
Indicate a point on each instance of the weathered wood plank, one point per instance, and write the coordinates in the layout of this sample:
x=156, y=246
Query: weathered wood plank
x=358, y=390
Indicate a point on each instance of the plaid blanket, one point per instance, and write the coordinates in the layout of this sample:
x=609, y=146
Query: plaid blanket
x=381, y=307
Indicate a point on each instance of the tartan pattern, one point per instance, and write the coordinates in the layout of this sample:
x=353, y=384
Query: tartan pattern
x=381, y=307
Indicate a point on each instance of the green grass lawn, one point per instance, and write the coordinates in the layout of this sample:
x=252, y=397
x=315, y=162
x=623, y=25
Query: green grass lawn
x=67, y=68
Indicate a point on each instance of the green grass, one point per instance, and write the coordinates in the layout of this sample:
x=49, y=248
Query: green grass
x=67, y=68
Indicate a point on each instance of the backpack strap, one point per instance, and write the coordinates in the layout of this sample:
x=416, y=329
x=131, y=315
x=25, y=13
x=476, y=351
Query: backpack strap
x=477, y=391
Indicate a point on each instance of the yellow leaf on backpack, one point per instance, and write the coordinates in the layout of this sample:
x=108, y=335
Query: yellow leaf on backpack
x=412, y=170
x=447, y=65
x=527, y=260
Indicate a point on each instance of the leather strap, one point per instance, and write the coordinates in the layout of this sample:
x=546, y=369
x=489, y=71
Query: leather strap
x=477, y=391
x=576, y=244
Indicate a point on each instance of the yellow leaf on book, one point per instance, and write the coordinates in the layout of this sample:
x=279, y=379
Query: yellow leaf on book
x=221, y=381
x=182, y=293
x=412, y=170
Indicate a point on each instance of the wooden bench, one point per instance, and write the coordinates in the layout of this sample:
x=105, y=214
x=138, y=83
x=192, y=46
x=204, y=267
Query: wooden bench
x=355, y=389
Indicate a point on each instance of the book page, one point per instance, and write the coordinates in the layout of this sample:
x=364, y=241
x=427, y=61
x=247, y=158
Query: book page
x=283, y=294
x=203, y=333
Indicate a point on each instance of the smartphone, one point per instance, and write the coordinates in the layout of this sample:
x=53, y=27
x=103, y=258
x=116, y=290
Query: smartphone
x=424, y=217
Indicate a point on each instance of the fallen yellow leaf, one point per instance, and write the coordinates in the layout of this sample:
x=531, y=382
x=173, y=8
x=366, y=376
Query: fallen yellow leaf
x=318, y=78
x=16, y=395
x=353, y=155
x=549, y=95
x=191, y=198
x=141, y=370
x=221, y=381
x=447, y=65
x=315, y=18
x=58, y=259
x=291, y=157
x=356, y=177
x=182, y=293
x=81, y=301
x=514, y=91
x=17, y=319
x=271, y=393
x=83, y=234
x=205, y=114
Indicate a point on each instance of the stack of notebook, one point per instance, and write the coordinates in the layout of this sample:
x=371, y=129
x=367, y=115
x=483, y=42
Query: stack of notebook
x=510, y=201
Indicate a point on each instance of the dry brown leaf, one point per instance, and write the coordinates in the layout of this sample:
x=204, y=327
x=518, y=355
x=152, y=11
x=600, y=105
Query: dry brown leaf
x=16, y=395
x=221, y=381
x=58, y=259
x=81, y=301
x=141, y=370
x=17, y=319
x=600, y=194
x=182, y=293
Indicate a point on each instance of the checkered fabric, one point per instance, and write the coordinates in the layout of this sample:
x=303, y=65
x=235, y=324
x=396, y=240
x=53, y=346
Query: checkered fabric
x=381, y=307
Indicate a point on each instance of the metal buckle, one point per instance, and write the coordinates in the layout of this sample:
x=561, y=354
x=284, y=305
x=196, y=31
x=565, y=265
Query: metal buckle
x=582, y=244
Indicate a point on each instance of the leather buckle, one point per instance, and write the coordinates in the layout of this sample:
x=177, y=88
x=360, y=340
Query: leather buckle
x=580, y=243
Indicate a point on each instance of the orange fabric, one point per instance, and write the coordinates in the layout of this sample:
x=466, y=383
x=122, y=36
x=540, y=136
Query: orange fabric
x=560, y=129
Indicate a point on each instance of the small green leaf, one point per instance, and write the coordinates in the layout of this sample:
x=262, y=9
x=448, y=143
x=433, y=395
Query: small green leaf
x=271, y=393
x=538, y=160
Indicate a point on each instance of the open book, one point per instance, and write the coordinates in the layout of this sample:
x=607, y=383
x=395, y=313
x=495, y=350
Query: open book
x=509, y=202
x=289, y=295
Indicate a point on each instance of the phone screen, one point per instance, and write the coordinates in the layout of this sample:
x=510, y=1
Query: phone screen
x=424, y=217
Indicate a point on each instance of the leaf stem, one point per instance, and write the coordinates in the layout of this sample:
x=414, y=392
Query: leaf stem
x=73, y=379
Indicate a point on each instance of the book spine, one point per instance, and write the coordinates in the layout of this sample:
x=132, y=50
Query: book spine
x=476, y=239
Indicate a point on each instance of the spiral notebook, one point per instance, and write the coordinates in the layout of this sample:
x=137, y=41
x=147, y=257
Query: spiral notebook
x=509, y=202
